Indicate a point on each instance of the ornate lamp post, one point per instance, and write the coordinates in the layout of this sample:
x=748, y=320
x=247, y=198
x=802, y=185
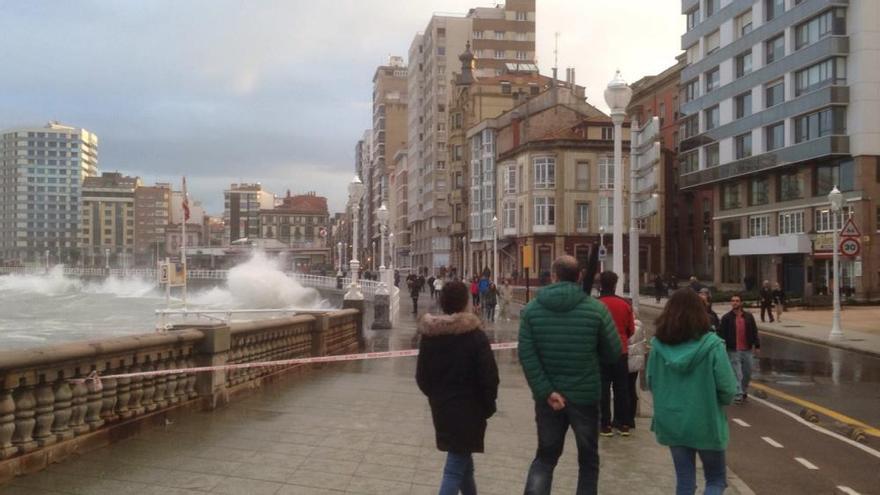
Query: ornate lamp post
x=339, y=267
x=391, y=248
x=382, y=216
x=617, y=96
x=836, y=200
x=355, y=193
x=495, y=250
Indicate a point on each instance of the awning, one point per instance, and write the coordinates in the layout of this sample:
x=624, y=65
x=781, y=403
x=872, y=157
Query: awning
x=781, y=244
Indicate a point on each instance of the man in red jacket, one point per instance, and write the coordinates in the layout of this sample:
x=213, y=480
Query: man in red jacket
x=617, y=374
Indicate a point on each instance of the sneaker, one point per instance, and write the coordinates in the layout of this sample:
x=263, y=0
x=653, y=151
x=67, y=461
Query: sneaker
x=623, y=430
x=738, y=400
x=606, y=431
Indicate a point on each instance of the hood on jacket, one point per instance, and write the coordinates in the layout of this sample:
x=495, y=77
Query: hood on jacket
x=562, y=296
x=687, y=355
x=454, y=324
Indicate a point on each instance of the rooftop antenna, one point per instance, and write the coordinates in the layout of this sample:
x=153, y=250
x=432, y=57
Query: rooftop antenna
x=556, y=50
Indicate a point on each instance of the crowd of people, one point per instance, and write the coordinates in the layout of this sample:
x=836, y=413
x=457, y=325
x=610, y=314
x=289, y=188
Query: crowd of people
x=581, y=357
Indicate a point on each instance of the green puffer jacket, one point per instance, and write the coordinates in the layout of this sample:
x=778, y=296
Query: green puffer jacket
x=563, y=334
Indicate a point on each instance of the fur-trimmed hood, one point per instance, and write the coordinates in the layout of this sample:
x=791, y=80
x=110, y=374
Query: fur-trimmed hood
x=455, y=324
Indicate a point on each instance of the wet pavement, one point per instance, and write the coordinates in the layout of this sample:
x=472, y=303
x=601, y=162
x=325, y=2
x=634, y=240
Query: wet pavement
x=354, y=427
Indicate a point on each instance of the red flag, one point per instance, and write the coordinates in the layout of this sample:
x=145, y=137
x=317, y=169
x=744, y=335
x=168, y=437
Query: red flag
x=185, y=203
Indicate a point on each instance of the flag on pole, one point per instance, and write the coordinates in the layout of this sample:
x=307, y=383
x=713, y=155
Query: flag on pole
x=185, y=203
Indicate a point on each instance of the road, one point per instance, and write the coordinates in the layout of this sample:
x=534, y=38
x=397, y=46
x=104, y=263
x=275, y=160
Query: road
x=776, y=452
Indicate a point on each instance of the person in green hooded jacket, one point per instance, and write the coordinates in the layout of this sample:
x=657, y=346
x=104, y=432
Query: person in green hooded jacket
x=691, y=380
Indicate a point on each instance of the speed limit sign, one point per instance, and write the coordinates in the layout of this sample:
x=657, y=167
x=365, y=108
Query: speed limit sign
x=850, y=246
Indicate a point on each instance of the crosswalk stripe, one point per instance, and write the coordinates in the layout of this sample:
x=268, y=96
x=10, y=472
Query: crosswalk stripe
x=741, y=422
x=847, y=490
x=807, y=464
x=772, y=442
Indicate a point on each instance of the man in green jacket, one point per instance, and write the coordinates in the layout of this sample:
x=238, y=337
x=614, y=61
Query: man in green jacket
x=563, y=336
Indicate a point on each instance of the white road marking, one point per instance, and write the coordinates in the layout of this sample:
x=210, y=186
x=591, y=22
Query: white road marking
x=741, y=422
x=772, y=442
x=818, y=428
x=847, y=490
x=807, y=464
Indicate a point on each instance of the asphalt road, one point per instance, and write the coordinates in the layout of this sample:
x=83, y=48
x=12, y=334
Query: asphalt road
x=775, y=452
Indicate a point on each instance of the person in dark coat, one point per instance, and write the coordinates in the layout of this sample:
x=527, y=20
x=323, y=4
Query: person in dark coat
x=456, y=370
x=740, y=332
x=766, y=297
x=659, y=288
x=714, y=322
x=414, y=291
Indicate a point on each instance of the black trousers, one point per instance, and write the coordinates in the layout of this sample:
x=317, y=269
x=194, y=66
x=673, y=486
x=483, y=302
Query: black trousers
x=615, y=376
x=768, y=307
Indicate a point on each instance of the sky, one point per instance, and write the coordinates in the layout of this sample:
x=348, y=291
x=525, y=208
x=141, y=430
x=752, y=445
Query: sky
x=275, y=92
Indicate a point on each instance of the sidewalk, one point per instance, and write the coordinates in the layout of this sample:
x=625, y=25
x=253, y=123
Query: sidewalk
x=860, y=325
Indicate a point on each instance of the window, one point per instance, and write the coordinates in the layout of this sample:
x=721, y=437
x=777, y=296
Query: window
x=583, y=216
x=712, y=6
x=825, y=24
x=692, y=54
x=582, y=175
x=505, y=88
x=773, y=9
x=691, y=90
x=607, y=134
x=509, y=215
x=690, y=127
x=791, y=186
x=521, y=55
x=824, y=219
x=499, y=35
x=693, y=18
x=744, y=23
x=521, y=36
x=711, y=116
x=606, y=172
x=545, y=211
x=712, y=157
x=478, y=35
x=831, y=71
x=759, y=226
x=818, y=124
x=791, y=222
x=522, y=16
x=661, y=112
x=841, y=174
x=712, y=41
x=743, y=104
x=743, y=145
x=774, y=93
x=499, y=53
x=441, y=50
x=713, y=79
x=510, y=179
x=774, y=136
x=606, y=212
x=744, y=63
x=729, y=196
x=456, y=152
x=759, y=193
x=774, y=49
x=689, y=162
x=545, y=172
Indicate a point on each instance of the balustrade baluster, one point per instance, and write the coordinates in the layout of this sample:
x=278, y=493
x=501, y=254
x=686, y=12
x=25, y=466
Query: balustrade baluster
x=78, y=407
x=7, y=424
x=161, y=385
x=137, y=392
x=171, y=382
x=94, y=401
x=44, y=416
x=123, y=395
x=180, y=364
x=63, y=409
x=191, y=378
x=24, y=418
x=149, y=388
x=108, y=400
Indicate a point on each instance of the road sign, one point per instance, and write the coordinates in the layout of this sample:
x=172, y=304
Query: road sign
x=849, y=229
x=163, y=273
x=850, y=247
x=603, y=253
x=527, y=257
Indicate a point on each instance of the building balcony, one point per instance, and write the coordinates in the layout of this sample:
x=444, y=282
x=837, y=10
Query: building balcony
x=456, y=228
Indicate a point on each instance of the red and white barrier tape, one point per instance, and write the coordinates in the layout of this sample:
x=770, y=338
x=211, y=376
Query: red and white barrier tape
x=96, y=378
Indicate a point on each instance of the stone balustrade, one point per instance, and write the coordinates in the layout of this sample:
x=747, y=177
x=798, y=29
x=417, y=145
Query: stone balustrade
x=46, y=414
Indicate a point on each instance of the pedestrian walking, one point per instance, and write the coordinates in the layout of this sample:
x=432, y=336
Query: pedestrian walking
x=414, y=292
x=637, y=351
x=659, y=288
x=490, y=300
x=778, y=301
x=475, y=292
x=505, y=299
x=456, y=370
x=616, y=375
x=563, y=337
x=691, y=381
x=706, y=296
x=766, y=296
x=431, y=286
x=740, y=332
x=695, y=284
x=421, y=281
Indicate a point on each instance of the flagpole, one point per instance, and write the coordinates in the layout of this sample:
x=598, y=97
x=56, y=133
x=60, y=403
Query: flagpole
x=183, y=241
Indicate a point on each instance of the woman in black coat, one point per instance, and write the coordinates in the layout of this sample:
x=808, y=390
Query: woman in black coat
x=457, y=372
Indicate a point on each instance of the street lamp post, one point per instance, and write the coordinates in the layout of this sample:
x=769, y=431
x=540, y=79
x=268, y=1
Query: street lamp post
x=464, y=257
x=836, y=200
x=391, y=249
x=601, y=247
x=339, y=250
x=355, y=193
x=107, y=258
x=617, y=96
x=495, y=250
x=382, y=215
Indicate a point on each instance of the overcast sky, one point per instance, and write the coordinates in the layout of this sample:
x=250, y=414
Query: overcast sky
x=276, y=92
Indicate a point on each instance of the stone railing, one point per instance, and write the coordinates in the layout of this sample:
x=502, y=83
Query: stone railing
x=46, y=413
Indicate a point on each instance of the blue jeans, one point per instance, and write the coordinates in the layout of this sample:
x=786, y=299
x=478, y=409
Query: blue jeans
x=686, y=470
x=552, y=427
x=458, y=475
x=742, y=368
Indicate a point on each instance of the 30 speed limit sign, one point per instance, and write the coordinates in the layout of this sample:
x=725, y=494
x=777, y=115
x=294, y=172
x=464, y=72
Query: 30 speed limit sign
x=850, y=247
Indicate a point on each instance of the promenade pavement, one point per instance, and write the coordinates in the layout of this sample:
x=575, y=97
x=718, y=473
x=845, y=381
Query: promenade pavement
x=354, y=427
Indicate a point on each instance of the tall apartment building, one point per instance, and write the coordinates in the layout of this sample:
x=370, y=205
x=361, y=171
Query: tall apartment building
x=780, y=104
x=152, y=214
x=107, y=230
x=241, y=210
x=400, y=213
x=364, y=169
x=389, y=135
x=41, y=174
x=430, y=91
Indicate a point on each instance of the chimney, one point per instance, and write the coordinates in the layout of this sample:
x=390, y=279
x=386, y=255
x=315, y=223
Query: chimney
x=515, y=124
